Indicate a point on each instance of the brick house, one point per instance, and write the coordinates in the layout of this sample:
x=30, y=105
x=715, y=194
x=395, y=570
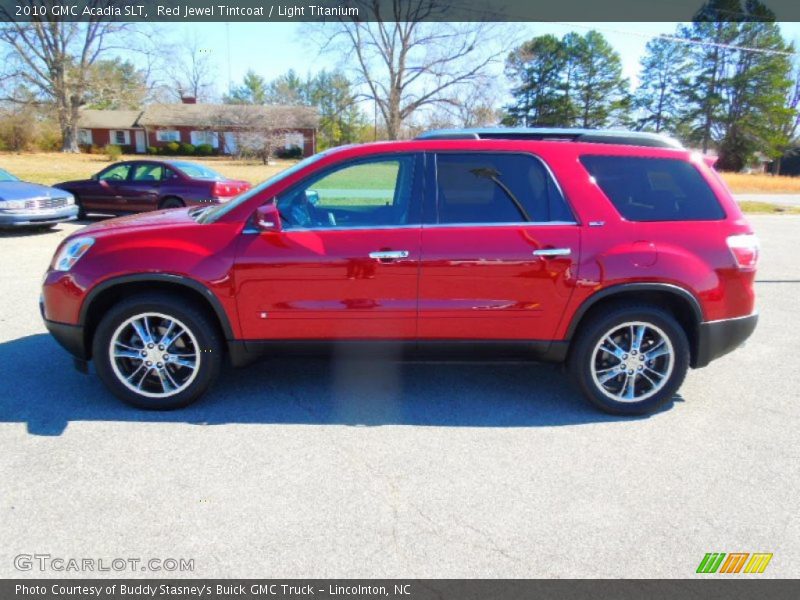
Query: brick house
x=223, y=126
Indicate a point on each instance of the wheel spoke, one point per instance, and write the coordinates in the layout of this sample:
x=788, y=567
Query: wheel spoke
x=141, y=332
x=608, y=374
x=165, y=384
x=638, y=337
x=615, y=349
x=165, y=335
x=182, y=362
x=167, y=342
x=132, y=354
x=629, y=389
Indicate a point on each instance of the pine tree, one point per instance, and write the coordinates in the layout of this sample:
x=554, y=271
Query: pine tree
x=658, y=98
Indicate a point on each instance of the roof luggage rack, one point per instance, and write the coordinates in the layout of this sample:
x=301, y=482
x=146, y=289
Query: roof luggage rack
x=596, y=136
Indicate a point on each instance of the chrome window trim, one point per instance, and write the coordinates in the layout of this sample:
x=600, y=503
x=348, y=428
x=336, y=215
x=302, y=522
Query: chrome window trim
x=507, y=224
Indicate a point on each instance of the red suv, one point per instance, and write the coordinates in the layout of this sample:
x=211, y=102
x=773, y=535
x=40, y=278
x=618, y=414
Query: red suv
x=622, y=254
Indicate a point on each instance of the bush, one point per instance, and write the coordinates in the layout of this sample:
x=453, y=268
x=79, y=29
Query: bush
x=153, y=150
x=186, y=149
x=112, y=152
x=204, y=150
x=293, y=152
x=171, y=148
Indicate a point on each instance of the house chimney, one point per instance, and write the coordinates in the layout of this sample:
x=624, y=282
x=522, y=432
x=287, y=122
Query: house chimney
x=188, y=99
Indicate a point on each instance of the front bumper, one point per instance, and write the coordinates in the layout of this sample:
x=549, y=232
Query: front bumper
x=70, y=337
x=28, y=218
x=717, y=338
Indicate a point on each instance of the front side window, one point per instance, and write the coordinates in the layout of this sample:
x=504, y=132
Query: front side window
x=115, y=173
x=654, y=189
x=375, y=193
x=477, y=188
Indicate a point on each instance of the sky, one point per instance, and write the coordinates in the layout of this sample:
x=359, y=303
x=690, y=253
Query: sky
x=271, y=49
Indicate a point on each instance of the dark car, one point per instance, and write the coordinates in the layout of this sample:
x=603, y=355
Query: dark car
x=618, y=253
x=142, y=185
x=24, y=204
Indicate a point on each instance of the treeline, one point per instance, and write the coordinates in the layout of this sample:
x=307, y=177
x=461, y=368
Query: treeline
x=717, y=83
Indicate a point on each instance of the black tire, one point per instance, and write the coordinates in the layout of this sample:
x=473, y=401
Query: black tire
x=172, y=202
x=585, y=364
x=209, y=348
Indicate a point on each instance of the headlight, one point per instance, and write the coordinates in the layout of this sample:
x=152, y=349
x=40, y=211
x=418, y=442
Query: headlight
x=12, y=205
x=72, y=252
x=70, y=199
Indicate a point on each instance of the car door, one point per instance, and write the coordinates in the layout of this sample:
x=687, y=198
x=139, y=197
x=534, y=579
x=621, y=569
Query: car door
x=500, y=249
x=140, y=192
x=103, y=193
x=345, y=264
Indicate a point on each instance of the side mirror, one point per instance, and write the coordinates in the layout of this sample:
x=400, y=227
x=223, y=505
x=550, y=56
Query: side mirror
x=267, y=218
x=94, y=177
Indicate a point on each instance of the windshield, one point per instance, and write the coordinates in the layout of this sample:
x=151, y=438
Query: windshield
x=196, y=171
x=6, y=176
x=209, y=215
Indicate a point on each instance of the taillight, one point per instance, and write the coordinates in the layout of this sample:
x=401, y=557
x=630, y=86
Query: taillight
x=744, y=248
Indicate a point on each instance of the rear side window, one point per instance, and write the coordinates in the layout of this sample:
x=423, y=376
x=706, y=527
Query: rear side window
x=497, y=188
x=654, y=189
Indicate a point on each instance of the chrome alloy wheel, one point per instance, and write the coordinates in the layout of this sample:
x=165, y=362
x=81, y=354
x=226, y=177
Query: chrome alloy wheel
x=154, y=355
x=632, y=361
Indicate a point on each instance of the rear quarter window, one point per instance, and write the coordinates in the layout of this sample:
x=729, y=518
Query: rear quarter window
x=654, y=189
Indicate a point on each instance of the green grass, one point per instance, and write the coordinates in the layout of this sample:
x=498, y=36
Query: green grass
x=768, y=208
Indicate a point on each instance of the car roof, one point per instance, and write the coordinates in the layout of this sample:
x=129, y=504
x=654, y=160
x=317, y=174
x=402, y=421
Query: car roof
x=555, y=134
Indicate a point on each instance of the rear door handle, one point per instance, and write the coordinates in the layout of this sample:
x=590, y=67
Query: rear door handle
x=552, y=252
x=389, y=254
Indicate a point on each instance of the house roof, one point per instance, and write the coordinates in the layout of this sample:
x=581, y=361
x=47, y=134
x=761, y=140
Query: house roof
x=202, y=116
x=228, y=115
x=108, y=119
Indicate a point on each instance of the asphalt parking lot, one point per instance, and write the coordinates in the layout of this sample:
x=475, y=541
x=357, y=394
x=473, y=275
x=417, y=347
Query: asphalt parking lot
x=349, y=469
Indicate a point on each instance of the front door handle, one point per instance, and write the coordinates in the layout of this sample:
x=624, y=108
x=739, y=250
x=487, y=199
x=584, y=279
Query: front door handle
x=552, y=252
x=389, y=254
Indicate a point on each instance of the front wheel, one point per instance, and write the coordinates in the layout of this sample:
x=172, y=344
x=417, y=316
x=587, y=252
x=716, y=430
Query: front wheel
x=630, y=360
x=157, y=351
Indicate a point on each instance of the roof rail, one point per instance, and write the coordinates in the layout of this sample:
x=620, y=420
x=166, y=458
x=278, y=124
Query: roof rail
x=596, y=136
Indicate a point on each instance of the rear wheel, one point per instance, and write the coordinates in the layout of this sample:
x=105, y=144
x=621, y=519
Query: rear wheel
x=172, y=203
x=630, y=360
x=157, y=352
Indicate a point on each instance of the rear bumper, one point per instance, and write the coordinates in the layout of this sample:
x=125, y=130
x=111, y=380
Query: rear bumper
x=37, y=217
x=717, y=338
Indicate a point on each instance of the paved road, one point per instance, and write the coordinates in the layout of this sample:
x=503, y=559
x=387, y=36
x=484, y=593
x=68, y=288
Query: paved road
x=300, y=469
x=784, y=199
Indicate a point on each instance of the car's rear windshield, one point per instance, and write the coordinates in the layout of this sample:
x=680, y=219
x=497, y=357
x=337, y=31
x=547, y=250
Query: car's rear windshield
x=196, y=171
x=654, y=189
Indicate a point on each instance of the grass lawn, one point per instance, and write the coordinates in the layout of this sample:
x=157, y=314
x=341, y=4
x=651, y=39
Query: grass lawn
x=743, y=183
x=768, y=208
x=52, y=167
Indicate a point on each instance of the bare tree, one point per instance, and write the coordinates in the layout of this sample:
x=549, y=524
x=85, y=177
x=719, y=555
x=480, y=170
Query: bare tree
x=188, y=70
x=54, y=58
x=405, y=61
